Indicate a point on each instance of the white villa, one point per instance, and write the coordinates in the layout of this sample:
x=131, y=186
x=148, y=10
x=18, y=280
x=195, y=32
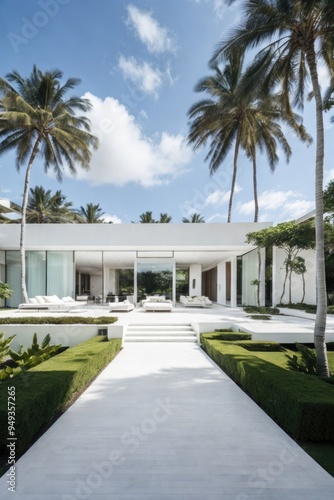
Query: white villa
x=107, y=262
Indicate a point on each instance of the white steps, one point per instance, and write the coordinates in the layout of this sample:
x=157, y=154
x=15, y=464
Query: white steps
x=158, y=332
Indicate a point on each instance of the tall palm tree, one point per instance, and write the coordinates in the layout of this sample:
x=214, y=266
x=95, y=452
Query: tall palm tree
x=249, y=120
x=194, y=219
x=146, y=218
x=294, y=37
x=36, y=120
x=164, y=218
x=44, y=207
x=90, y=214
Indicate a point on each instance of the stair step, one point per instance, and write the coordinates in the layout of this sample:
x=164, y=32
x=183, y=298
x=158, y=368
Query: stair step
x=160, y=332
x=142, y=338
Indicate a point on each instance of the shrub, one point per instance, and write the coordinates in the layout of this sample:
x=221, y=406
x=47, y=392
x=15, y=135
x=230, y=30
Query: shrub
x=47, y=388
x=260, y=345
x=302, y=405
x=306, y=362
x=229, y=335
x=25, y=359
x=330, y=310
x=59, y=320
x=261, y=310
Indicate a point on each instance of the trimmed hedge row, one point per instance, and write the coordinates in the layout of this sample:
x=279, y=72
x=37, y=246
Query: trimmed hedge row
x=302, y=405
x=47, y=388
x=59, y=320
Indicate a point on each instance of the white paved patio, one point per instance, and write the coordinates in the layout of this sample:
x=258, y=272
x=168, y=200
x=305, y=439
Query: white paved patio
x=163, y=422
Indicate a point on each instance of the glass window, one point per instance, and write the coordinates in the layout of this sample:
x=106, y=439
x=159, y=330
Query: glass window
x=155, y=277
x=60, y=274
x=13, y=277
x=36, y=273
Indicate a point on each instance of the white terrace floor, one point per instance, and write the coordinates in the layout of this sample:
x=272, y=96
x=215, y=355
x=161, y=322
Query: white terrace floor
x=162, y=422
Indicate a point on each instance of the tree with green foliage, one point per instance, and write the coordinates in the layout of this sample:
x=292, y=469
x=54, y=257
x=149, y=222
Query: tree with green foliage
x=164, y=218
x=195, y=218
x=295, y=38
x=45, y=208
x=90, y=214
x=5, y=291
x=249, y=120
x=329, y=201
x=146, y=218
x=36, y=120
x=291, y=238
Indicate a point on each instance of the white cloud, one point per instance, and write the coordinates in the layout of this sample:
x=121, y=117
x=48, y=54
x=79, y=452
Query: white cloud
x=125, y=154
x=286, y=204
x=112, y=218
x=219, y=197
x=146, y=78
x=155, y=37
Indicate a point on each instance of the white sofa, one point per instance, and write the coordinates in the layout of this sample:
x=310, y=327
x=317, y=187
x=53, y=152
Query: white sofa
x=196, y=301
x=157, y=303
x=121, y=306
x=50, y=302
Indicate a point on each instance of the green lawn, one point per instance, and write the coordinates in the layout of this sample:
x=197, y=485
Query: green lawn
x=301, y=404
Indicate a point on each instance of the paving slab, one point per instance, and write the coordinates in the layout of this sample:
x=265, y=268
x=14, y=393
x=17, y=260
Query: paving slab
x=163, y=422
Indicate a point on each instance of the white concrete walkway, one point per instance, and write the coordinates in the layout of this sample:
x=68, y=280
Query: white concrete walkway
x=162, y=422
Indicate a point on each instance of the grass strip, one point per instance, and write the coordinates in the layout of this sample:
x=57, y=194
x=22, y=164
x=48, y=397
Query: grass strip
x=48, y=388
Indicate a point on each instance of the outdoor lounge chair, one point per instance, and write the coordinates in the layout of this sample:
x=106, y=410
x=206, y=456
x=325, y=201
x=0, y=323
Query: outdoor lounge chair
x=159, y=303
x=121, y=306
x=195, y=301
x=49, y=303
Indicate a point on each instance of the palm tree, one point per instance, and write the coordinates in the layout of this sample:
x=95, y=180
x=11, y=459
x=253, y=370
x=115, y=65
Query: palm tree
x=249, y=120
x=90, y=214
x=146, y=218
x=194, y=219
x=297, y=36
x=44, y=207
x=36, y=120
x=164, y=218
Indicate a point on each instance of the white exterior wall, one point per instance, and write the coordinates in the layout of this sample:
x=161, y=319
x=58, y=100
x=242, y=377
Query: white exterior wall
x=195, y=273
x=297, y=285
x=129, y=236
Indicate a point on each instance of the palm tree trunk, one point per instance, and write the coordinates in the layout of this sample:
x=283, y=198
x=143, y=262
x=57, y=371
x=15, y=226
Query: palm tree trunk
x=23, y=222
x=256, y=201
x=320, y=322
x=234, y=175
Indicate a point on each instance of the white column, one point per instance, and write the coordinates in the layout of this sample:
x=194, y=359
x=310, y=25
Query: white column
x=233, y=281
x=195, y=279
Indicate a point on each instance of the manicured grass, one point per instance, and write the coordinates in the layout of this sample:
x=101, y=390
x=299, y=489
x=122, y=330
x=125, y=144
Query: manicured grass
x=303, y=405
x=48, y=388
x=323, y=453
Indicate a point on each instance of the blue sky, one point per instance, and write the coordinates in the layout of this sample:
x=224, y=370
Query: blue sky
x=138, y=62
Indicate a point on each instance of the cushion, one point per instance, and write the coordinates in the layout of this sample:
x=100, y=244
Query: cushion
x=40, y=299
x=33, y=301
x=127, y=302
x=70, y=299
x=65, y=299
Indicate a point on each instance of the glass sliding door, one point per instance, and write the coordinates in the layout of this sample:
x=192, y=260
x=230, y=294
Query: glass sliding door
x=155, y=277
x=13, y=277
x=36, y=273
x=60, y=274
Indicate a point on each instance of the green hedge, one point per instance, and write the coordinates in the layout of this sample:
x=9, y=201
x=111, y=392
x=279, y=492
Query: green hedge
x=47, y=388
x=302, y=405
x=228, y=335
x=58, y=320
